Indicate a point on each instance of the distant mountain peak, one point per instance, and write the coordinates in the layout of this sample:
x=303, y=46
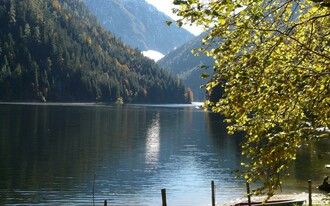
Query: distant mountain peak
x=139, y=24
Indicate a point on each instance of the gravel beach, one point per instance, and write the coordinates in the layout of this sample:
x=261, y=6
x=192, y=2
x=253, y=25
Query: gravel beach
x=317, y=199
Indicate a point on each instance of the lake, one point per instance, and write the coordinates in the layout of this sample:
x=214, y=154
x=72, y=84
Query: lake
x=81, y=154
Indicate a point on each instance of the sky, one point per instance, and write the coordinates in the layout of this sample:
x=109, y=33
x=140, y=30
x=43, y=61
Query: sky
x=166, y=7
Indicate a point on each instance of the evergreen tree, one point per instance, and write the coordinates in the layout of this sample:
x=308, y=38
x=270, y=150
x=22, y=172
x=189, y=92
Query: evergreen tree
x=55, y=50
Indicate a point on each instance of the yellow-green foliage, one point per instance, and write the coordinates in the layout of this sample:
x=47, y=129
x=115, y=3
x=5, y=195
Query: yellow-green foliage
x=273, y=61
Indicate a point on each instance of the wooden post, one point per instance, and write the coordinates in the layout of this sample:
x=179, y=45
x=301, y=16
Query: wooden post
x=310, y=192
x=94, y=189
x=248, y=193
x=213, y=193
x=105, y=203
x=164, y=197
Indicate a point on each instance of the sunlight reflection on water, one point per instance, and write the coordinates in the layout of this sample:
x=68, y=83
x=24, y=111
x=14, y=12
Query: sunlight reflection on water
x=153, y=141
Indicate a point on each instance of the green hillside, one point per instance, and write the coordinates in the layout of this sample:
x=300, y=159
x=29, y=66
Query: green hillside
x=188, y=67
x=55, y=50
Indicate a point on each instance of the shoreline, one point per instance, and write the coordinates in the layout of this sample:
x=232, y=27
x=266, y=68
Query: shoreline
x=317, y=199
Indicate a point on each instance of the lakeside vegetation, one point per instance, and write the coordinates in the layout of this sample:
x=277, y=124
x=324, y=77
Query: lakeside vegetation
x=272, y=63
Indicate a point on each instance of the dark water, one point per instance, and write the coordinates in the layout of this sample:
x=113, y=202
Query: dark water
x=60, y=154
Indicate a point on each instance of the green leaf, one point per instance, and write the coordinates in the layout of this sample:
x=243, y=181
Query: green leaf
x=205, y=76
x=169, y=23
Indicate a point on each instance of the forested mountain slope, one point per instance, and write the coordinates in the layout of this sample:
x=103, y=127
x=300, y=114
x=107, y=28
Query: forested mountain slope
x=139, y=24
x=55, y=50
x=187, y=66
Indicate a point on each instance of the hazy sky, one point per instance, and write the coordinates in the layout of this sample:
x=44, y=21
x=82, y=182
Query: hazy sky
x=166, y=7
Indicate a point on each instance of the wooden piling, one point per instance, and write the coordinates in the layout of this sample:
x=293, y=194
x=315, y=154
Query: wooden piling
x=94, y=189
x=164, y=197
x=248, y=193
x=213, y=193
x=105, y=203
x=310, y=192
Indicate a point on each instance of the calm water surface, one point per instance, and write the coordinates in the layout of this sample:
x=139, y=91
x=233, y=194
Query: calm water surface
x=59, y=154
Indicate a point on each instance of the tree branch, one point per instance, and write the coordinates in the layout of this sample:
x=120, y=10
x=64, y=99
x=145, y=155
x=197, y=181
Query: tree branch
x=294, y=39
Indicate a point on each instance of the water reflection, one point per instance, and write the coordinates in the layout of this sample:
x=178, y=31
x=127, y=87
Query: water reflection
x=153, y=141
x=310, y=164
x=49, y=155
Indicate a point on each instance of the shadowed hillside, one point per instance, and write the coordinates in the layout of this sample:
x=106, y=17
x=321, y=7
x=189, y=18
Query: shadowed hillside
x=55, y=50
x=188, y=67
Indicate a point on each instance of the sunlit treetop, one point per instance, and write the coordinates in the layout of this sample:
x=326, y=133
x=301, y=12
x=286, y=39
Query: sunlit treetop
x=272, y=59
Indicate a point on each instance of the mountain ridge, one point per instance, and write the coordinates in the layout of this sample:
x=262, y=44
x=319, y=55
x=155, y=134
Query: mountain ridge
x=188, y=66
x=143, y=27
